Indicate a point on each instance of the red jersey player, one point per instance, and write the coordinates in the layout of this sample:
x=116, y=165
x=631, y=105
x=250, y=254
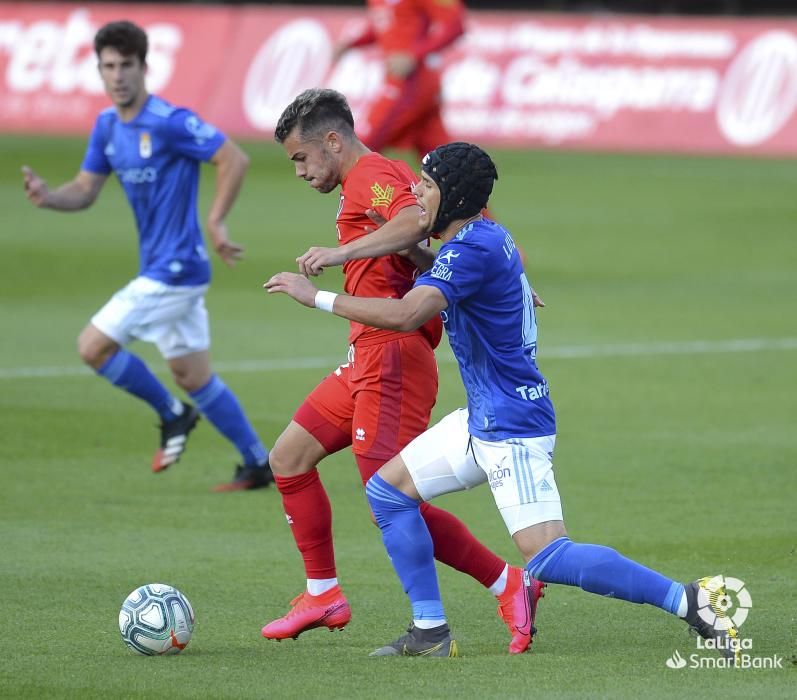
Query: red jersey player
x=410, y=34
x=383, y=397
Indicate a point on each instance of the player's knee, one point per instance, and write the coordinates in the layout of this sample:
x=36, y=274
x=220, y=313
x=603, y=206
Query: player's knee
x=287, y=462
x=91, y=351
x=185, y=380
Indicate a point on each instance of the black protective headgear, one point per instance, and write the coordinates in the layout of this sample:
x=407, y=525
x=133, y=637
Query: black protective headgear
x=465, y=174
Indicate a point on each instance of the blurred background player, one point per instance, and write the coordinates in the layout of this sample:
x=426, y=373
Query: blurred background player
x=410, y=34
x=383, y=396
x=155, y=150
x=506, y=436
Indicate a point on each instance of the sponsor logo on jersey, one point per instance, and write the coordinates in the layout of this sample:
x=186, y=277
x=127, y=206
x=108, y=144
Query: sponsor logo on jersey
x=144, y=144
x=383, y=195
x=137, y=176
x=532, y=393
x=447, y=256
x=198, y=129
x=441, y=271
x=110, y=150
x=359, y=434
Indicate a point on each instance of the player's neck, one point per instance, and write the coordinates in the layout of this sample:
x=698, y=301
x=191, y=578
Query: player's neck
x=456, y=226
x=129, y=112
x=358, y=150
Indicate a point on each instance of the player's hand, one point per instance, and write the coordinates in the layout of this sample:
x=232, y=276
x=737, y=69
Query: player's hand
x=228, y=251
x=36, y=189
x=296, y=286
x=316, y=259
x=400, y=64
x=536, y=299
x=377, y=218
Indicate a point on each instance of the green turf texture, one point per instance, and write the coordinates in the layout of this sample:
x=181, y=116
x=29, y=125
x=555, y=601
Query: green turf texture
x=684, y=461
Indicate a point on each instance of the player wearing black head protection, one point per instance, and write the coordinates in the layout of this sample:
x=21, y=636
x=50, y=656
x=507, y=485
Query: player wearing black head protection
x=464, y=174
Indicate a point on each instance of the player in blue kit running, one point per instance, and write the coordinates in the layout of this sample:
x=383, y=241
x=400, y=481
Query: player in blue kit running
x=155, y=150
x=506, y=435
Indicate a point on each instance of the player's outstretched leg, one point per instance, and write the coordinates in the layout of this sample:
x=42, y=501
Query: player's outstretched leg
x=174, y=438
x=421, y=642
x=222, y=408
x=604, y=571
x=707, y=596
x=517, y=607
x=330, y=609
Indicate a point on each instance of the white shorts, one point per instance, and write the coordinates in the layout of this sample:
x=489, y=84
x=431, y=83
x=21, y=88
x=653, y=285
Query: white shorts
x=446, y=458
x=174, y=318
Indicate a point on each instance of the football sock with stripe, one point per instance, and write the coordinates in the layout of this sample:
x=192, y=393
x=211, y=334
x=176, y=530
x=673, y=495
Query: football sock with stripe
x=604, y=571
x=128, y=372
x=454, y=544
x=220, y=406
x=410, y=548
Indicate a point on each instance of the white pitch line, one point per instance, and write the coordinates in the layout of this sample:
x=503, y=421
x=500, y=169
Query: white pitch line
x=562, y=352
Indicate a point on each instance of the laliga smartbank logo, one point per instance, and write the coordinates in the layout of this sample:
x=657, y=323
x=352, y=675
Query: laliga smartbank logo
x=724, y=603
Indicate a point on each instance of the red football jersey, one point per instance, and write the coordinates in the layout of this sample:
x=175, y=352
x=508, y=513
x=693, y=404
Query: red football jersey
x=419, y=27
x=385, y=185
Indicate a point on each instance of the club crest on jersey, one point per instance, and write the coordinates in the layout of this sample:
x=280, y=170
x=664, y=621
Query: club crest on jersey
x=384, y=196
x=144, y=144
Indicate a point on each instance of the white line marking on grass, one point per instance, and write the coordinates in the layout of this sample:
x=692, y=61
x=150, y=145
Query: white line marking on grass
x=563, y=352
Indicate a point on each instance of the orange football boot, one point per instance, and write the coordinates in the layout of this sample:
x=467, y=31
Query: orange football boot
x=517, y=607
x=330, y=609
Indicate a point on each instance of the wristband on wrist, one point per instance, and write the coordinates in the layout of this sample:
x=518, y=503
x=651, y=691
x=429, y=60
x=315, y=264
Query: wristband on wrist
x=324, y=300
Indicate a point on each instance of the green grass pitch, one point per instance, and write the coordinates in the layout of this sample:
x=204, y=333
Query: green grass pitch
x=670, y=343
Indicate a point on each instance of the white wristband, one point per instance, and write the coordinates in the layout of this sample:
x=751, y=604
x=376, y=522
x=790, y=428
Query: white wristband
x=324, y=300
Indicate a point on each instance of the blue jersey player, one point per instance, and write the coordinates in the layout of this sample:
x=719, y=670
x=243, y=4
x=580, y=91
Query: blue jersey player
x=506, y=435
x=155, y=150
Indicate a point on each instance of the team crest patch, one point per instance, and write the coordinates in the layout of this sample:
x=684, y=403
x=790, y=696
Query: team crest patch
x=144, y=144
x=384, y=196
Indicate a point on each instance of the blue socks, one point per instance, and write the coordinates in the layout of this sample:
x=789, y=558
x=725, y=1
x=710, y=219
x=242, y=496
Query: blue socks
x=409, y=546
x=604, y=571
x=128, y=372
x=220, y=406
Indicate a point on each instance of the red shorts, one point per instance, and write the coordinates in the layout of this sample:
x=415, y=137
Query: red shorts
x=378, y=403
x=407, y=114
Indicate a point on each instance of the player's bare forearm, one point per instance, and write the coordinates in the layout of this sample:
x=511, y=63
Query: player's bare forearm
x=231, y=164
x=407, y=314
x=400, y=233
x=77, y=194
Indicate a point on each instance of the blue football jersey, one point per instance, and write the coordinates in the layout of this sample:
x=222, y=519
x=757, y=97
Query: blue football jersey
x=156, y=157
x=493, y=332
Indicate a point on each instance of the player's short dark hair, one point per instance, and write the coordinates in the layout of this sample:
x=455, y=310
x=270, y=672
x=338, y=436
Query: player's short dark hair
x=315, y=112
x=465, y=175
x=127, y=38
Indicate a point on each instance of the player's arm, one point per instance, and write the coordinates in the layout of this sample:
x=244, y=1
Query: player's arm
x=231, y=164
x=364, y=37
x=406, y=314
x=400, y=233
x=78, y=193
x=421, y=254
x=446, y=25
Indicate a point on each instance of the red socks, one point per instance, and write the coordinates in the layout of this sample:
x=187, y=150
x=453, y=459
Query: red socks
x=309, y=514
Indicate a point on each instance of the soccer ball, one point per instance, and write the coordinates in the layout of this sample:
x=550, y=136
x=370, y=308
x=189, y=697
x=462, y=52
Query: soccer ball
x=156, y=619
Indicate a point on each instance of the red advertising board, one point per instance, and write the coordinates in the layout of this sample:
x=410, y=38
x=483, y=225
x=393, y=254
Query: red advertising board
x=515, y=79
